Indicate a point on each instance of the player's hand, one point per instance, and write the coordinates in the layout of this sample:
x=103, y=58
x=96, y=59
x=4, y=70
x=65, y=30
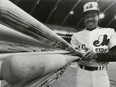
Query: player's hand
x=75, y=52
x=89, y=54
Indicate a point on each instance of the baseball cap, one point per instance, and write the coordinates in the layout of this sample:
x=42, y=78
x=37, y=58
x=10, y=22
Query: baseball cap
x=91, y=6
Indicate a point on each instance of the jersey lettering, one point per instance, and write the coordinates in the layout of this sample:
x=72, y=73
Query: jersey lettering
x=102, y=40
x=81, y=47
x=101, y=50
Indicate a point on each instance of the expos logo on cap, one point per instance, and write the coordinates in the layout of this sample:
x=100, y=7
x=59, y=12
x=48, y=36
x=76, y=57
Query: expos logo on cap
x=91, y=6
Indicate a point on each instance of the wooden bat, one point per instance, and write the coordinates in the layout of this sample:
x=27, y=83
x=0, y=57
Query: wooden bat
x=17, y=19
x=10, y=35
x=11, y=15
x=20, y=68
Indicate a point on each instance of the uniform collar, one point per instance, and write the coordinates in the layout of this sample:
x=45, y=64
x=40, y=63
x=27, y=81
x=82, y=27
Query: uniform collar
x=92, y=29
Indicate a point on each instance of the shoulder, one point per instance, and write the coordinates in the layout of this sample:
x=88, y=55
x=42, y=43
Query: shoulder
x=102, y=28
x=106, y=29
x=75, y=35
x=79, y=33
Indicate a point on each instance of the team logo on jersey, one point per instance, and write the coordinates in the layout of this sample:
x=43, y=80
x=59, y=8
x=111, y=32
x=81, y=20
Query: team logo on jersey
x=102, y=40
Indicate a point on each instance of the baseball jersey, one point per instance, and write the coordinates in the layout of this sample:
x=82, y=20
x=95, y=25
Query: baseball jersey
x=99, y=39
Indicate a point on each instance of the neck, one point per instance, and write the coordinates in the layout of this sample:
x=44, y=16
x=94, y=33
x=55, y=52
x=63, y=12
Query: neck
x=90, y=29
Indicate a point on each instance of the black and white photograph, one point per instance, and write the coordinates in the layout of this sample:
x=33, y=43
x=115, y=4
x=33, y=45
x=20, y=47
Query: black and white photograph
x=57, y=43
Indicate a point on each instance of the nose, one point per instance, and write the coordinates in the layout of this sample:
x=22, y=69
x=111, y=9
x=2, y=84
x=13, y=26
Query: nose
x=90, y=18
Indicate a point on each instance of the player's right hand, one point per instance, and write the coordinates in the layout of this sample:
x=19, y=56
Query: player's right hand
x=89, y=54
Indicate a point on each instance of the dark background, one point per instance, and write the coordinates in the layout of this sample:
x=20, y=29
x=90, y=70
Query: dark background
x=57, y=12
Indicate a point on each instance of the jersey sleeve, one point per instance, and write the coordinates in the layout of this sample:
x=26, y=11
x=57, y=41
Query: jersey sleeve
x=107, y=57
x=74, y=42
x=112, y=42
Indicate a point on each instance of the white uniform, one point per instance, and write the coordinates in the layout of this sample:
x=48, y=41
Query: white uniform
x=101, y=40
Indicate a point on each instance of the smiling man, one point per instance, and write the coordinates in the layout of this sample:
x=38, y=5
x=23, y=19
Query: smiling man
x=98, y=46
x=91, y=19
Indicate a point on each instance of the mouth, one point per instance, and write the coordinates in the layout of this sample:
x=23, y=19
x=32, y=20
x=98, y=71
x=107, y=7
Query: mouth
x=90, y=23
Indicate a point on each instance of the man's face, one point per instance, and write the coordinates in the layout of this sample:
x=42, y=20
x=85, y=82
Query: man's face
x=91, y=19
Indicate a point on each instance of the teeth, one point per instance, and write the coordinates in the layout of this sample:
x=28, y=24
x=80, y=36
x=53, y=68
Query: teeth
x=90, y=23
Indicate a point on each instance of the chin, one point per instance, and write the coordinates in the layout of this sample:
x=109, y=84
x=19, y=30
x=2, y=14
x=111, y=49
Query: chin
x=91, y=27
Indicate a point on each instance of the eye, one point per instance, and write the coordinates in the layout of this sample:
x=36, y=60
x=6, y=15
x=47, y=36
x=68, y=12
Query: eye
x=94, y=15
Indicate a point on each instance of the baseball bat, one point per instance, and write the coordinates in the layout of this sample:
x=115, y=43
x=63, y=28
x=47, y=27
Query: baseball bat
x=44, y=81
x=19, y=20
x=15, y=17
x=20, y=67
x=10, y=35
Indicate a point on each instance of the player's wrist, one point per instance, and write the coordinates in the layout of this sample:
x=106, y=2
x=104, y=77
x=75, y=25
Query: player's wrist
x=96, y=56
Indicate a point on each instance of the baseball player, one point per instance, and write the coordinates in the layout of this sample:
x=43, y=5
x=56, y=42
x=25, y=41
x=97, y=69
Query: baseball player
x=98, y=46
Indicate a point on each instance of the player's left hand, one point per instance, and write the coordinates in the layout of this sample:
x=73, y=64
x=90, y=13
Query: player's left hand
x=89, y=54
